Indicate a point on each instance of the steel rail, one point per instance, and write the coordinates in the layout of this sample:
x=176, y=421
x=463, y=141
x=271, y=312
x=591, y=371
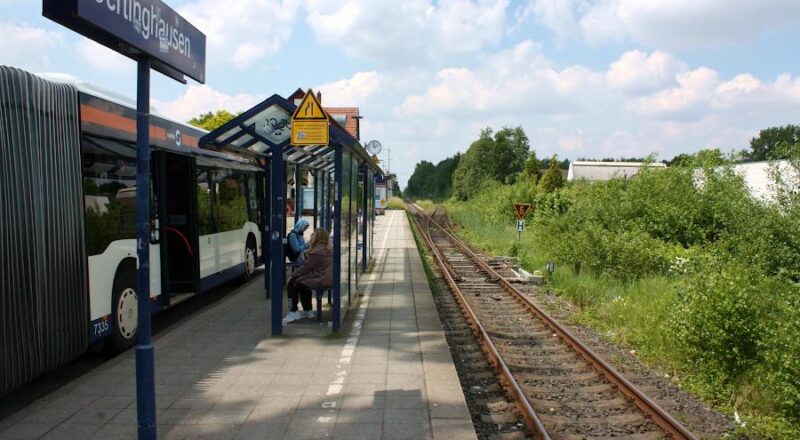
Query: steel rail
x=523, y=404
x=672, y=427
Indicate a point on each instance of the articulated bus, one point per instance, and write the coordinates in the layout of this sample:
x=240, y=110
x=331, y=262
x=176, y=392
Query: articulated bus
x=68, y=213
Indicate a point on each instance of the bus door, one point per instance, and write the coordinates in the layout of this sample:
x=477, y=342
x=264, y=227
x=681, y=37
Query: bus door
x=177, y=225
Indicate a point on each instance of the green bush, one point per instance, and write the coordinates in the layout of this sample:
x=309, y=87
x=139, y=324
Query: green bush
x=395, y=203
x=780, y=372
x=719, y=321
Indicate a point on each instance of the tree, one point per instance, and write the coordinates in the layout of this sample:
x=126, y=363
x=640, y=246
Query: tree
x=552, y=179
x=433, y=182
x=773, y=143
x=512, y=147
x=709, y=157
x=419, y=182
x=531, y=169
x=545, y=163
x=212, y=120
x=500, y=158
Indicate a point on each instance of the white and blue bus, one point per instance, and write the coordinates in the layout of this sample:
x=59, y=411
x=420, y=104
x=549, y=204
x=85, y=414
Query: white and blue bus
x=67, y=207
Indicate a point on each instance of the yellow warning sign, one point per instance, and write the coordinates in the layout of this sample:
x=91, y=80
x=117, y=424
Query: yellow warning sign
x=310, y=125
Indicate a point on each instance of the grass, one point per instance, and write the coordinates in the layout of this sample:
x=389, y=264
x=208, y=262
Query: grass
x=422, y=247
x=395, y=203
x=630, y=313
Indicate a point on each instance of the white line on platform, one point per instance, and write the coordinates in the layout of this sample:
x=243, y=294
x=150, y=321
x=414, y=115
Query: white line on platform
x=335, y=387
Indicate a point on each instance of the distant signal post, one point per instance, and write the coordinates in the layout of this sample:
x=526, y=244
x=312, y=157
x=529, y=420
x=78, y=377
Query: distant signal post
x=155, y=36
x=521, y=209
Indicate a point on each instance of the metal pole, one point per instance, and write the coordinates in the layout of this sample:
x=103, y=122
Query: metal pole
x=326, y=201
x=265, y=242
x=364, y=215
x=298, y=185
x=277, y=223
x=316, y=198
x=145, y=368
x=337, y=243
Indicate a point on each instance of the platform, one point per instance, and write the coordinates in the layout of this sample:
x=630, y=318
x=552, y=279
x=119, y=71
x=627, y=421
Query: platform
x=221, y=376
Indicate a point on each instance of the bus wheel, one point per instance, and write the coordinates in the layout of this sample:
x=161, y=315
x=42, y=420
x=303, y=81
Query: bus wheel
x=249, y=259
x=125, y=311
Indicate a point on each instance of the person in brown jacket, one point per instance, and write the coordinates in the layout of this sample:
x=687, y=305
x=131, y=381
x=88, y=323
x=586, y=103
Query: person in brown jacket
x=315, y=273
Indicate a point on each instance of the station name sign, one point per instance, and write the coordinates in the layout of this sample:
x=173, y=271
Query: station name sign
x=136, y=27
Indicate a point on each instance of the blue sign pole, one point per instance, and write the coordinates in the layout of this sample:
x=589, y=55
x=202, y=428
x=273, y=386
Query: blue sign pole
x=277, y=223
x=145, y=368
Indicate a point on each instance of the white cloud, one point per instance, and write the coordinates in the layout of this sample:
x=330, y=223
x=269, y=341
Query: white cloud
x=643, y=103
x=689, y=23
x=670, y=24
x=242, y=32
x=518, y=80
x=352, y=91
x=27, y=46
x=399, y=33
x=103, y=58
x=637, y=73
x=558, y=16
x=198, y=99
x=686, y=100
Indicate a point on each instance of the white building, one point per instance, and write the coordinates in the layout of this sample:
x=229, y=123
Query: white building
x=760, y=178
x=597, y=171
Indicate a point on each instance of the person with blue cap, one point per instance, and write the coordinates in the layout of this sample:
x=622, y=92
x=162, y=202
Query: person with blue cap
x=296, y=245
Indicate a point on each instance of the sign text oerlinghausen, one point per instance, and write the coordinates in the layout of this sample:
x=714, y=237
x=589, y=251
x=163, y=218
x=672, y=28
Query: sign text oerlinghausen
x=149, y=26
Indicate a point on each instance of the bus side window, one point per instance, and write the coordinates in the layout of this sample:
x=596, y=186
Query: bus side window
x=231, y=201
x=254, y=213
x=205, y=219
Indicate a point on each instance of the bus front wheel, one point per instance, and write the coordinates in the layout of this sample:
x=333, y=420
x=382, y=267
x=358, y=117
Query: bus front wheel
x=125, y=311
x=250, y=257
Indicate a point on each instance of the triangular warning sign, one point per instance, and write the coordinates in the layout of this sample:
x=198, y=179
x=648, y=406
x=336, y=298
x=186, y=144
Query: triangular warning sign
x=521, y=209
x=310, y=108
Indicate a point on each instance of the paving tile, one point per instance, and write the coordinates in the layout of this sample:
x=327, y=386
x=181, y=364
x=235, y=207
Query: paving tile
x=309, y=431
x=49, y=415
x=115, y=432
x=94, y=416
x=71, y=431
x=363, y=401
x=360, y=431
x=404, y=431
x=405, y=415
x=24, y=431
x=261, y=431
x=350, y=415
x=449, y=429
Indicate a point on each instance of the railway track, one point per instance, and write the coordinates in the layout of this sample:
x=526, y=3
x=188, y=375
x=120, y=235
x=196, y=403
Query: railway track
x=560, y=387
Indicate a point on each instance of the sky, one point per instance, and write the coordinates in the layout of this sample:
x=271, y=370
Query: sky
x=584, y=78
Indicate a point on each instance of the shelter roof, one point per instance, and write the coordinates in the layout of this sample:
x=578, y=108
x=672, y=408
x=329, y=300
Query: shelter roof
x=254, y=133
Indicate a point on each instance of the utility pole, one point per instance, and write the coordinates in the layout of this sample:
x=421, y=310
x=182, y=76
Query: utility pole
x=389, y=161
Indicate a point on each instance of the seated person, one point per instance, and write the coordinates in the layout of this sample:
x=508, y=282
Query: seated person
x=295, y=243
x=315, y=273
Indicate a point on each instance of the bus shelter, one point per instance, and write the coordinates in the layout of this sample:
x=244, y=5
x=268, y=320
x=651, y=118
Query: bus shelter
x=343, y=191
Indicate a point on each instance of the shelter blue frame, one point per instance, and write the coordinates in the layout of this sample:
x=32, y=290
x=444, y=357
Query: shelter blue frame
x=343, y=175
